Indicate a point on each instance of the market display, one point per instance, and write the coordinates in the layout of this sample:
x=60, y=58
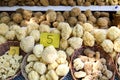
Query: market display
x=58, y=2
x=88, y=42
x=22, y=18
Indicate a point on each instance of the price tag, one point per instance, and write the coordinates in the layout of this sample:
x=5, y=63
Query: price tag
x=50, y=39
x=14, y=50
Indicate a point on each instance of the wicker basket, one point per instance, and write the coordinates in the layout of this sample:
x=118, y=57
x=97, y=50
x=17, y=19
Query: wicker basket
x=5, y=47
x=117, y=71
x=110, y=62
x=24, y=63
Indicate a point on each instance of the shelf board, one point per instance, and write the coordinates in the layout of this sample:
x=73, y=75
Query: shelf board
x=61, y=8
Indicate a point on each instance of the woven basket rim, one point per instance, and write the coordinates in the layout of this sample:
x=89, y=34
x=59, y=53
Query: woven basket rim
x=116, y=64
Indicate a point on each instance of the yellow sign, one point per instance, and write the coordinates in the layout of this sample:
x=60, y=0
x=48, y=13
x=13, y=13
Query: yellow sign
x=14, y=50
x=50, y=39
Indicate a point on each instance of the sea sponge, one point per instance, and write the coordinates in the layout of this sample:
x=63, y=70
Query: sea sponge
x=100, y=35
x=38, y=14
x=44, y=2
x=46, y=23
x=35, y=34
x=60, y=18
x=72, y=21
x=14, y=27
x=77, y=31
x=117, y=44
x=32, y=58
x=88, y=39
x=38, y=49
x=78, y=64
x=55, y=24
x=5, y=19
x=28, y=67
x=12, y=3
x=88, y=67
x=3, y=28
x=66, y=14
x=63, y=44
x=92, y=19
x=108, y=73
x=97, y=14
x=24, y=23
x=102, y=22
x=65, y=30
x=64, y=2
x=3, y=14
x=61, y=57
x=80, y=74
x=43, y=77
x=27, y=14
x=107, y=45
x=113, y=2
x=51, y=16
x=69, y=51
x=17, y=17
x=88, y=13
x=71, y=2
x=84, y=58
x=89, y=53
x=32, y=26
x=2, y=39
x=54, y=2
x=87, y=27
x=52, y=66
x=27, y=44
x=113, y=33
x=80, y=2
x=34, y=19
x=104, y=14
x=21, y=33
x=75, y=12
x=75, y=42
x=39, y=67
x=62, y=70
x=44, y=28
x=10, y=35
x=51, y=75
x=12, y=23
x=87, y=3
x=88, y=77
x=33, y=75
x=55, y=30
x=82, y=17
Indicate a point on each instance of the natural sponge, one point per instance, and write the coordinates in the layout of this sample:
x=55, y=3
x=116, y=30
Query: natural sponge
x=27, y=44
x=3, y=28
x=49, y=55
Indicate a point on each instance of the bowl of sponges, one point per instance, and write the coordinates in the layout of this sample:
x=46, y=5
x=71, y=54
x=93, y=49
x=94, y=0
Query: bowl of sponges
x=92, y=63
x=45, y=64
x=11, y=57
